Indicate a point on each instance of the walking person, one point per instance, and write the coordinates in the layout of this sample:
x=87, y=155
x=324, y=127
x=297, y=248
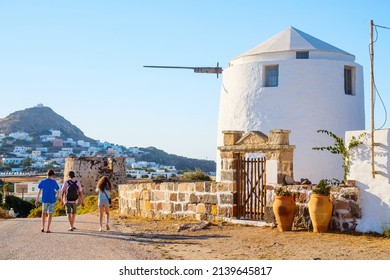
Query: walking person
x=49, y=189
x=103, y=188
x=72, y=194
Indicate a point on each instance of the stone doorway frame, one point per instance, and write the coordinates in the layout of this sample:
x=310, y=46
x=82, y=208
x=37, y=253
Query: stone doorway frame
x=275, y=147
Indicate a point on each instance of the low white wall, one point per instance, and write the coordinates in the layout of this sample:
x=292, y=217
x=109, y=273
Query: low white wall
x=375, y=191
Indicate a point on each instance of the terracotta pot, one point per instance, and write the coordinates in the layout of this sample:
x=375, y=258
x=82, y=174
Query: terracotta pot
x=320, y=211
x=284, y=211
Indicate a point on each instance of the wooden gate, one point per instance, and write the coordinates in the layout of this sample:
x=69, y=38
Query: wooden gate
x=251, y=198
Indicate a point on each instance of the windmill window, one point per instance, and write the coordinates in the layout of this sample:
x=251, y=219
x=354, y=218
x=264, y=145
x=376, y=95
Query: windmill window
x=272, y=76
x=349, y=80
x=302, y=55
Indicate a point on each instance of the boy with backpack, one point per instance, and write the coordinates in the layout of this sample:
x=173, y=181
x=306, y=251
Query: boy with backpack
x=72, y=192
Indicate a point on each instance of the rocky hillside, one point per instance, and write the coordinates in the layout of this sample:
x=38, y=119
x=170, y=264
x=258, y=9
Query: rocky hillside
x=39, y=120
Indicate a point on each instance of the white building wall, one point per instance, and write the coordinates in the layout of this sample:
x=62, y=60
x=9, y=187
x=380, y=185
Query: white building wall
x=375, y=191
x=310, y=96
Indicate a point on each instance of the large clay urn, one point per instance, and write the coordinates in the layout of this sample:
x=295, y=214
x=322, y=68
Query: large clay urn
x=284, y=211
x=320, y=211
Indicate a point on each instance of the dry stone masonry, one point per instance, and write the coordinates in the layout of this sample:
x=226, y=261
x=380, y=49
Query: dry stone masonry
x=346, y=200
x=88, y=170
x=178, y=200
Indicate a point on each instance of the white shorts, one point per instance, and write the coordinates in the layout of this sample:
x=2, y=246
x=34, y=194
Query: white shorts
x=103, y=202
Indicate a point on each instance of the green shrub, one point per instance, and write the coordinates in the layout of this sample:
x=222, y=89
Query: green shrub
x=35, y=213
x=282, y=191
x=59, y=210
x=90, y=205
x=323, y=187
x=386, y=232
x=198, y=175
x=21, y=207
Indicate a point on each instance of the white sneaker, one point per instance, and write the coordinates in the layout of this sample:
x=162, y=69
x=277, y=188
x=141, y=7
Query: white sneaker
x=100, y=229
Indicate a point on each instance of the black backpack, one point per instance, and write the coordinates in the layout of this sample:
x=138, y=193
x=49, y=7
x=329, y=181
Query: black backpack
x=72, y=194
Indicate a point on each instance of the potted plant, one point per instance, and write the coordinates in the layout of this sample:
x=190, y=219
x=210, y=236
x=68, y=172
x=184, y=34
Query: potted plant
x=320, y=206
x=284, y=208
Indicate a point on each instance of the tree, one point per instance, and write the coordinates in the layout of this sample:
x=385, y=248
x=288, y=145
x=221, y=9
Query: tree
x=340, y=148
x=26, y=163
x=8, y=187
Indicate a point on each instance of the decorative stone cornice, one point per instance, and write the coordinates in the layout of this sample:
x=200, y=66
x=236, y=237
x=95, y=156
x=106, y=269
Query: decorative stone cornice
x=256, y=141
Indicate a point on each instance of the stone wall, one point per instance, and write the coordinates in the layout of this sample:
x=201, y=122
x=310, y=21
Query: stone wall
x=88, y=170
x=178, y=200
x=214, y=201
x=347, y=207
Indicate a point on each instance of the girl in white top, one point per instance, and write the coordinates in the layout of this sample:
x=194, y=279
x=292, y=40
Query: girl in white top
x=103, y=188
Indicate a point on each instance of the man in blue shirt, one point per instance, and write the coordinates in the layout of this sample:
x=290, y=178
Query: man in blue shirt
x=49, y=188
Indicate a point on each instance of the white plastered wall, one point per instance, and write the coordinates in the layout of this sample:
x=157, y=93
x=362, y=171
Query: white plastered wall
x=310, y=96
x=375, y=191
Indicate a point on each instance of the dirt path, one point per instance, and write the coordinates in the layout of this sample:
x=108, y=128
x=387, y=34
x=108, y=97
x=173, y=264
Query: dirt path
x=21, y=239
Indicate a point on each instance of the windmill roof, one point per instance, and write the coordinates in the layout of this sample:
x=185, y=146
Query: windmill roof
x=292, y=39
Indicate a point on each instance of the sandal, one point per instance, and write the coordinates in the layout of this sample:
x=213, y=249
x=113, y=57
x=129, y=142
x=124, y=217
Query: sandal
x=42, y=230
x=48, y=231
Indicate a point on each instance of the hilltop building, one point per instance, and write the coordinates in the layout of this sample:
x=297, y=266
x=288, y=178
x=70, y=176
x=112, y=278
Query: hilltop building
x=299, y=83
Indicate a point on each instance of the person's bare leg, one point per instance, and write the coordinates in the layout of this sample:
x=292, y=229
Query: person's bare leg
x=72, y=219
x=49, y=222
x=43, y=220
x=107, y=217
x=101, y=209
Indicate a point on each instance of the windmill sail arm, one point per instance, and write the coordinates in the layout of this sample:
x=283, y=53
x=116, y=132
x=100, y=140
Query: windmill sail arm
x=211, y=70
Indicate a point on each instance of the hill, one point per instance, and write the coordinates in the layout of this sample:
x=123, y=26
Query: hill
x=180, y=162
x=38, y=120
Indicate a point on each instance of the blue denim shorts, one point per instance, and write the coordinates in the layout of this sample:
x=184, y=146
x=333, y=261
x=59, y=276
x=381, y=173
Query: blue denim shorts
x=48, y=207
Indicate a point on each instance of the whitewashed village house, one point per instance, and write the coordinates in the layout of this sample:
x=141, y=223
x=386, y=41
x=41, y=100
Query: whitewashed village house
x=294, y=82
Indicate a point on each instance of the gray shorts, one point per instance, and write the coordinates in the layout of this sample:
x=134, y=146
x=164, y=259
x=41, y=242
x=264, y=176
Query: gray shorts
x=70, y=208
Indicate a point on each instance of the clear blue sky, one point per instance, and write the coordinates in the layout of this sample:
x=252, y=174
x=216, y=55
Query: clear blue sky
x=84, y=59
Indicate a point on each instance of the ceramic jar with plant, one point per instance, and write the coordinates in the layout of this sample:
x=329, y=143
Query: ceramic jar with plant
x=320, y=206
x=284, y=208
